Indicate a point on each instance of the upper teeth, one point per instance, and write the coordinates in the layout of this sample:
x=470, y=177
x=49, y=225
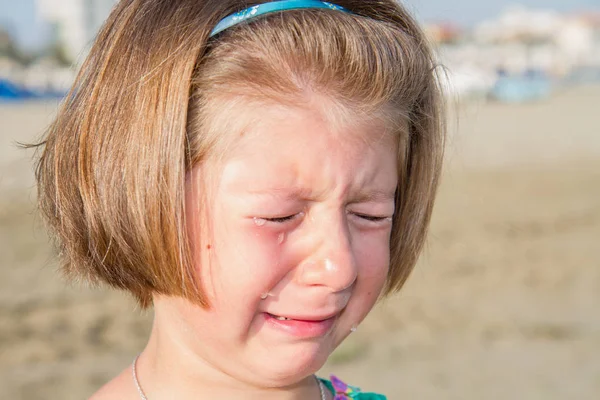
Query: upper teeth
x=281, y=318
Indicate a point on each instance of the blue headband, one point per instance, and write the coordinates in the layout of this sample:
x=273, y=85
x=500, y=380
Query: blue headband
x=266, y=8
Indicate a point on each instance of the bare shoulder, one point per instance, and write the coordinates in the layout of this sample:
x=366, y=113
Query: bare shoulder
x=121, y=387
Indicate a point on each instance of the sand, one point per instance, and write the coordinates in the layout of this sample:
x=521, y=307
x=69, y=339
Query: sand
x=502, y=305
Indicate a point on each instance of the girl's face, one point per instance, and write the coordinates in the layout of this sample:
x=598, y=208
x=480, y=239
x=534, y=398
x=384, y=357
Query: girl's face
x=298, y=249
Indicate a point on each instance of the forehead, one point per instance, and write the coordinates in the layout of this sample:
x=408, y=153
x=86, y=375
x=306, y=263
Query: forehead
x=283, y=128
x=302, y=148
x=276, y=124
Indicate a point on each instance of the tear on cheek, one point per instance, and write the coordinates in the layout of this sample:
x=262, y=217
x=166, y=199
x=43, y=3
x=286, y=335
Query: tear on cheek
x=267, y=236
x=260, y=229
x=281, y=238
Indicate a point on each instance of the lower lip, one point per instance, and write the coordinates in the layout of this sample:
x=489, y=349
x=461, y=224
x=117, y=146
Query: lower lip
x=302, y=329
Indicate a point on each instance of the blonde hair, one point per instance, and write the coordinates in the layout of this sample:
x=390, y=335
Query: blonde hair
x=144, y=109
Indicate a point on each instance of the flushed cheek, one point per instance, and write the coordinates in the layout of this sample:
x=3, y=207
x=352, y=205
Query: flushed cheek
x=370, y=284
x=360, y=304
x=264, y=242
x=254, y=258
x=372, y=275
x=372, y=254
x=268, y=236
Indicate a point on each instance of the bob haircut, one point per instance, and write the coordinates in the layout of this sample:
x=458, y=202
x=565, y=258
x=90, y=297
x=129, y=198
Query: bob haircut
x=146, y=105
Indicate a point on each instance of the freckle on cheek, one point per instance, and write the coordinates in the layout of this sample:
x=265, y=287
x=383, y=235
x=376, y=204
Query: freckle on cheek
x=208, y=247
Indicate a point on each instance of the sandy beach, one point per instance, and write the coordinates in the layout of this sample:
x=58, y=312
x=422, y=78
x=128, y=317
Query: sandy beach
x=503, y=304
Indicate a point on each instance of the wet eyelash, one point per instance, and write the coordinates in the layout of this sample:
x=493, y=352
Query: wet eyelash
x=372, y=218
x=281, y=219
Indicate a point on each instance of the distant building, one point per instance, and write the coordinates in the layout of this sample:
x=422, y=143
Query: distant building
x=525, y=39
x=443, y=32
x=95, y=13
x=75, y=22
x=5, y=40
x=519, y=25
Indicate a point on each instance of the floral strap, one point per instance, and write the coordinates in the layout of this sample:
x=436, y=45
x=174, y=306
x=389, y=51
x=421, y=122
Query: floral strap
x=343, y=391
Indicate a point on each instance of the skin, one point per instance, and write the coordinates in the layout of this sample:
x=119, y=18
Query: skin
x=300, y=210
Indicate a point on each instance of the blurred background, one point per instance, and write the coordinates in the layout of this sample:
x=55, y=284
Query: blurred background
x=504, y=302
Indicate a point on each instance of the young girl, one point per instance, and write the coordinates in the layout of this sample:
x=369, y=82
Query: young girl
x=258, y=172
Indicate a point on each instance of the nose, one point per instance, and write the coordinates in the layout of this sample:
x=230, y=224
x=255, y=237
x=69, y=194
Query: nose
x=332, y=262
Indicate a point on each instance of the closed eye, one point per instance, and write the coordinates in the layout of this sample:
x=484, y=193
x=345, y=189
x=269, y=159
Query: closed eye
x=373, y=218
x=281, y=219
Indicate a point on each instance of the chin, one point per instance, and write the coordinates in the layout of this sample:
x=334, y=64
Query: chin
x=286, y=371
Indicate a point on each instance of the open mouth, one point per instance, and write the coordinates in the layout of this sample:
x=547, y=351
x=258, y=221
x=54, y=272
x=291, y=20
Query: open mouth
x=279, y=318
x=304, y=319
x=301, y=326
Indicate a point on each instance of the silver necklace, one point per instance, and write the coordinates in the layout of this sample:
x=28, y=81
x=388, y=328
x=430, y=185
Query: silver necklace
x=143, y=396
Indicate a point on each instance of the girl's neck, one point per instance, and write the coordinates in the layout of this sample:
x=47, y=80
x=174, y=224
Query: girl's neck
x=168, y=368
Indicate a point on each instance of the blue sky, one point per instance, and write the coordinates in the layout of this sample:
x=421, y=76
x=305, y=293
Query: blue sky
x=18, y=16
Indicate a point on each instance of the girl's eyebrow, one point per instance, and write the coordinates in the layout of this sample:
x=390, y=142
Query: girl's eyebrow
x=375, y=195
x=286, y=193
